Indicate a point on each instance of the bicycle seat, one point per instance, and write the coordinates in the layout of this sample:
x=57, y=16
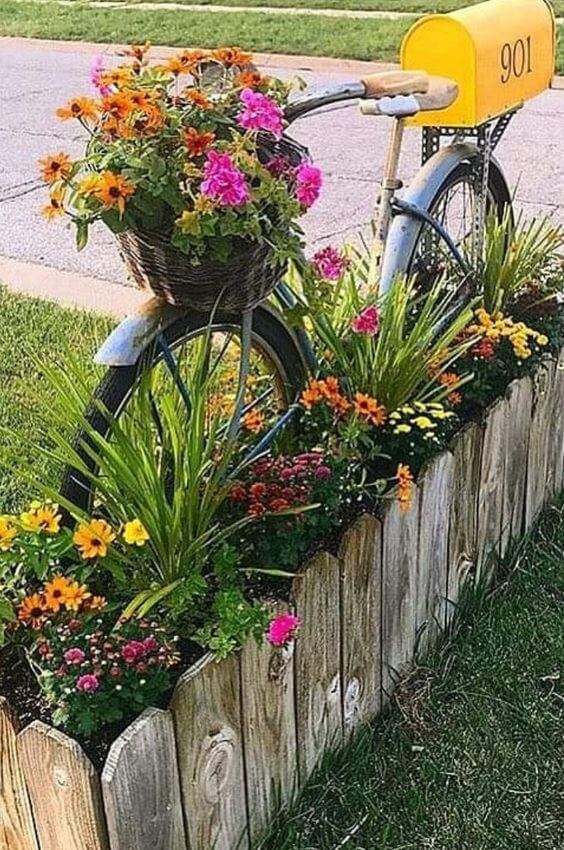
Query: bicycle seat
x=395, y=83
x=439, y=94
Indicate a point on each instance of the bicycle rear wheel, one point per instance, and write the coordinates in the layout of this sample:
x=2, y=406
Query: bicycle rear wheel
x=278, y=370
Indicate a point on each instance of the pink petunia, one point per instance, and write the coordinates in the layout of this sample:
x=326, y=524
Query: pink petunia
x=224, y=182
x=330, y=263
x=366, y=322
x=260, y=113
x=87, y=683
x=97, y=70
x=309, y=180
x=74, y=655
x=282, y=629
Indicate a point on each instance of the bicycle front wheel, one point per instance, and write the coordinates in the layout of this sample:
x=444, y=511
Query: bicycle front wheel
x=276, y=376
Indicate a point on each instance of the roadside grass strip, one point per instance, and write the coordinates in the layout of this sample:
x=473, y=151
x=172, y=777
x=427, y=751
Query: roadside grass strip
x=470, y=757
x=36, y=332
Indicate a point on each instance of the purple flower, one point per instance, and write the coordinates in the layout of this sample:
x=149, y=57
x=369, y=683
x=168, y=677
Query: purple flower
x=366, y=322
x=97, y=70
x=280, y=166
x=87, y=683
x=282, y=629
x=224, y=182
x=329, y=263
x=309, y=180
x=74, y=656
x=260, y=113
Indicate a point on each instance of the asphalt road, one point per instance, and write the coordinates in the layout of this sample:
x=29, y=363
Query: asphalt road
x=348, y=146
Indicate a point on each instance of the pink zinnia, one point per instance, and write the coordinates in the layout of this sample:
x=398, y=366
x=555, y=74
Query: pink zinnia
x=309, y=180
x=97, y=69
x=366, y=322
x=74, y=656
x=87, y=683
x=329, y=263
x=260, y=113
x=223, y=182
x=283, y=629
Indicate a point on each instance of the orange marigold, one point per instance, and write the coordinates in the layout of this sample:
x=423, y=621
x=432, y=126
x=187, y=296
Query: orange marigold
x=196, y=142
x=369, y=408
x=81, y=108
x=404, y=479
x=253, y=421
x=32, y=611
x=55, y=167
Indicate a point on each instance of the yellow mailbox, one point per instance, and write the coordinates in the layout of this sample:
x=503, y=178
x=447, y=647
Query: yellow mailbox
x=500, y=53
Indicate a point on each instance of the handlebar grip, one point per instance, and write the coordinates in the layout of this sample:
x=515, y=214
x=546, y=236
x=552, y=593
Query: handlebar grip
x=392, y=83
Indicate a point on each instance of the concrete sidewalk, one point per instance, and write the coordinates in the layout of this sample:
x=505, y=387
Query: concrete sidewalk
x=39, y=76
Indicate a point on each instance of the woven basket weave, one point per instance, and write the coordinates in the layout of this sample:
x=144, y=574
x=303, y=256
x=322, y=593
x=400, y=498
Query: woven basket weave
x=248, y=277
x=240, y=284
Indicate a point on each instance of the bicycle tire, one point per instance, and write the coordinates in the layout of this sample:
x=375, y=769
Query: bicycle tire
x=270, y=334
x=498, y=194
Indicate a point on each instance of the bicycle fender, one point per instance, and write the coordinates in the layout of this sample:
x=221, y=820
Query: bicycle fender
x=128, y=341
x=405, y=229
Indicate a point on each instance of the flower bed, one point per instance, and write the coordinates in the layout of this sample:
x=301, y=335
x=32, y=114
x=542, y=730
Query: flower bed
x=416, y=458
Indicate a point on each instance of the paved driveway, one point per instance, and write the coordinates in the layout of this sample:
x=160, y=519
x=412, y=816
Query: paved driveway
x=351, y=148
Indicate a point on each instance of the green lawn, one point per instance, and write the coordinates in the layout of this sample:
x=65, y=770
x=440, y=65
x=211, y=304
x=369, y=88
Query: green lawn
x=415, y=6
x=35, y=331
x=344, y=38
x=476, y=763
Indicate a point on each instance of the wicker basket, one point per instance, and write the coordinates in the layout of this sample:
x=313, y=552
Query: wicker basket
x=240, y=284
x=248, y=277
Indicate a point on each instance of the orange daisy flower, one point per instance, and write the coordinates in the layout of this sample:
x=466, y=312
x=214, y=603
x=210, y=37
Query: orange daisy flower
x=253, y=421
x=117, y=77
x=55, y=167
x=368, y=408
x=118, y=104
x=449, y=379
x=150, y=120
x=198, y=98
x=56, y=592
x=232, y=56
x=82, y=108
x=177, y=65
x=252, y=80
x=138, y=51
x=113, y=191
x=92, y=540
x=312, y=394
x=76, y=595
x=405, y=486
x=196, y=142
x=340, y=404
x=96, y=603
x=32, y=611
x=55, y=207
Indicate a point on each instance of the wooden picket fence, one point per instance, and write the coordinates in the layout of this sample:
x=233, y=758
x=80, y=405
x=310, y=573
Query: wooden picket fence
x=241, y=736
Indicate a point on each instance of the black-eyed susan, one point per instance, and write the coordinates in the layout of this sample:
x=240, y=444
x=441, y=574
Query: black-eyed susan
x=56, y=592
x=113, y=190
x=55, y=167
x=92, y=539
x=8, y=532
x=42, y=517
x=81, y=108
x=76, y=596
x=32, y=611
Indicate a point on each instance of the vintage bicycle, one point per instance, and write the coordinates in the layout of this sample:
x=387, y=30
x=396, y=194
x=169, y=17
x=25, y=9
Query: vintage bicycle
x=437, y=223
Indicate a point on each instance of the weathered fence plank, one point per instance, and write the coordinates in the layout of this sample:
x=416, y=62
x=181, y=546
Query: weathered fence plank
x=64, y=789
x=400, y=532
x=518, y=420
x=206, y=708
x=361, y=593
x=492, y=476
x=318, y=661
x=466, y=448
x=141, y=789
x=17, y=831
x=436, y=487
x=269, y=724
x=539, y=474
x=558, y=420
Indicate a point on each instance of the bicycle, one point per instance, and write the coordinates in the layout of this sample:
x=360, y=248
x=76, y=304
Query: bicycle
x=441, y=215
